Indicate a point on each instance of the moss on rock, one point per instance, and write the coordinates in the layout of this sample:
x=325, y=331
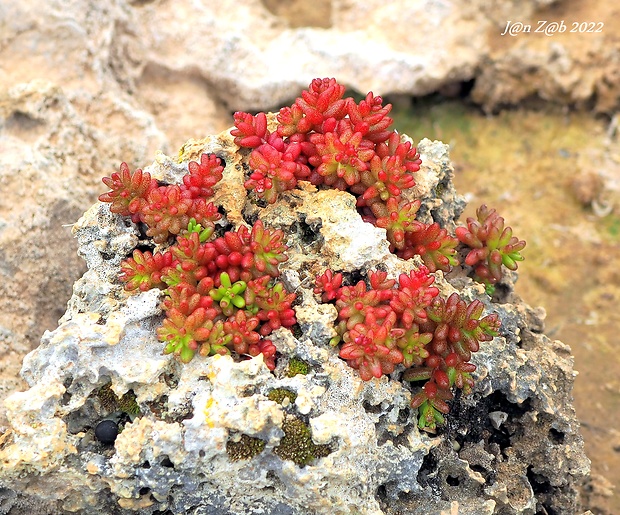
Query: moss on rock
x=280, y=395
x=297, y=445
x=297, y=366
x=111, y=402
x=245, y=449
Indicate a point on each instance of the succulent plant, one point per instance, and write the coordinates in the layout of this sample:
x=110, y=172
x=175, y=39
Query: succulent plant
x=369, y=117
x=250, y=131
x=492, y=245
x=220, y=289
x=434, y=245
x=328, y=285
x=128, y=191
x=145, y=270
x=273, y=171
x=203, y=176
x=229, y=295
x=398, y=220
x=386, y=323
x=184, y=334
x=321, y=101
x=166, y=209
x=242, y=327
x=459, y=325
x=203, y=279
x=344, y=154
x=371, y=347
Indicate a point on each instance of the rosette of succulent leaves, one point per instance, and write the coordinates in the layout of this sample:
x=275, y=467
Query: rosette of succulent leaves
x=221, y=289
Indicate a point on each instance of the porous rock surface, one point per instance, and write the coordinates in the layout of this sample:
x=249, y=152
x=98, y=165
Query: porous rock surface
x=511, y=447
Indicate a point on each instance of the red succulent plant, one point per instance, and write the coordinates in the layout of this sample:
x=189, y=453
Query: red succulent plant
x=492, y=245
x=220, y=288
x=209, y=307
x=386, y=323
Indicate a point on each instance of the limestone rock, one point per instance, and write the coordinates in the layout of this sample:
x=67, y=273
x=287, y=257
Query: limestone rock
x=207, y=437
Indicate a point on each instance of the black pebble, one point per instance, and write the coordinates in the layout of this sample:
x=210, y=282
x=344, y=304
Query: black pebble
x=106, y=431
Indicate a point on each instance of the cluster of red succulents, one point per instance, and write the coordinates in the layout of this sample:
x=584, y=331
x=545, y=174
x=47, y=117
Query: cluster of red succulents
x=327, y=139
x=492, y=245
x=166, y=209
x=220, y=293
x=386, y=323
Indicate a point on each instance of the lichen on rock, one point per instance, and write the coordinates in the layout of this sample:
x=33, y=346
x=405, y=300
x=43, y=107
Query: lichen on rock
x=212, y=435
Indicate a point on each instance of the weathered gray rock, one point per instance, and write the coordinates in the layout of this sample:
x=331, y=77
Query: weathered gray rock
x=181, y=451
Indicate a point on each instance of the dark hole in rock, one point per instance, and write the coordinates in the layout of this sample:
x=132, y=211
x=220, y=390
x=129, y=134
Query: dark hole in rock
x=501, y=438
x=166, y=463
x=458, y=89
x=305, y=232
x=502, y=292
x=23, y=122
x=222, y=160
x=453, y=481
x=146, y=465
x=352, y=278
x=466, y=87
x=429, y=466
x=469, y=421
x=201, y=453
x=539, y=483
x=481, y=470
x=370, y=408
x=144, y=490
x=143, y=247
x=402, y=438
x=403, y=415
x=223, y=212
x=296, y=330
x=381, y=492
x=250, y=216
x=556, y=436
x=142, y=228
x=171, y=381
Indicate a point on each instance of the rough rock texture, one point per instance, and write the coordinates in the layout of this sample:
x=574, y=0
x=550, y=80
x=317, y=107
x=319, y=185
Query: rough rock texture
x=86, y=85
x=205, y=438
x=256, y=54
